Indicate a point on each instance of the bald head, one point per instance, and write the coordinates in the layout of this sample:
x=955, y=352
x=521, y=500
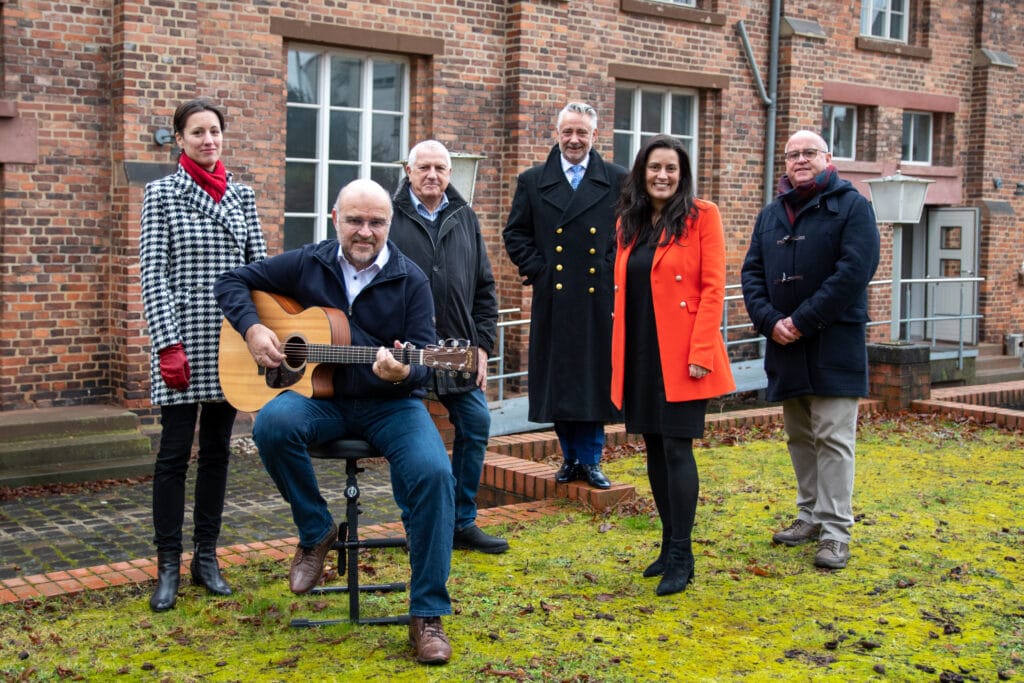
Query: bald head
x=806, y=138
x=362, y=217
x=365, y=189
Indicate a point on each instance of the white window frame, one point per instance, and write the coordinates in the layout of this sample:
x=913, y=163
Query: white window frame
x=684, y=3
x=867, y=15
x=324, y=195
x=915, y=117
x=830, y=125
x=637, y=135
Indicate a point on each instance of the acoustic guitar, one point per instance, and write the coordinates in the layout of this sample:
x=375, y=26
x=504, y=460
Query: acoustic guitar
x=314, y=340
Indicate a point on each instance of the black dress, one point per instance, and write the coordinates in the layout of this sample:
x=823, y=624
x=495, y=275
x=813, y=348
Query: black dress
x=644, y=405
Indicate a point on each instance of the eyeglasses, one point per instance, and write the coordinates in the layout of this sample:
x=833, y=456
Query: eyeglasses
x=357, y=223
x=808, y=154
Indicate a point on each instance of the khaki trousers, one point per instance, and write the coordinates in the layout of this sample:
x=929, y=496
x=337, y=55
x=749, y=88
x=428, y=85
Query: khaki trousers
x=822, y=437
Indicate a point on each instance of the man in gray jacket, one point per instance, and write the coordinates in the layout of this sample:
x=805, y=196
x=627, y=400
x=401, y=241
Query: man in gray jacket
x=805, y=277
x=435, y=227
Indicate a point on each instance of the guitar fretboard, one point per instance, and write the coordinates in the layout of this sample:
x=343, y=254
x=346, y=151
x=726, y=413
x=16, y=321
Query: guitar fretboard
x=347, y=355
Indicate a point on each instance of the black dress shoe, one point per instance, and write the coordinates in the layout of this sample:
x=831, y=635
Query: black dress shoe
x=594, y=476
x=567, y=472
x=473, y=538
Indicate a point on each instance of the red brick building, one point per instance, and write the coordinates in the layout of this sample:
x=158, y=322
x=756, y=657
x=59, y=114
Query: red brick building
x=316, y=93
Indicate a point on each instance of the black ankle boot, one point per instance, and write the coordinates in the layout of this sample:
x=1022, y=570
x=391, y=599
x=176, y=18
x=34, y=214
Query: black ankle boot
x=205, y=571
x=678, y=568
x=168, y=575
x=657, y=568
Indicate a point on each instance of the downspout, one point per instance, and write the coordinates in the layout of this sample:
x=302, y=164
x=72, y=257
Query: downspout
x=769, y=98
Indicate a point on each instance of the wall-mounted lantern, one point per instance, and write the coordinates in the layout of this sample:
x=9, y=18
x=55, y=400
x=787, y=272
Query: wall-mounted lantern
x=464, y=170
x=897, y=199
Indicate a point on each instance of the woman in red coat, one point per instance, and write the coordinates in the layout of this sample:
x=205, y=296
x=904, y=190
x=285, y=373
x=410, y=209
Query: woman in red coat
x=668, y=356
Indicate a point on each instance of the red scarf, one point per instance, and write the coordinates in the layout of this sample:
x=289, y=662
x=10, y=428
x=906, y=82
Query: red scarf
x=795, y=197
x=214, y=182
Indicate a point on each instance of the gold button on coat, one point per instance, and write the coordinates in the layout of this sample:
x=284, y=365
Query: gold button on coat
x=558, y=267
x=682, y=304
x=590, y=290
x=559, y=249
x=593, y=231
x=593, y=251
x=558, y=286
x=593, y=270
x=679, y=278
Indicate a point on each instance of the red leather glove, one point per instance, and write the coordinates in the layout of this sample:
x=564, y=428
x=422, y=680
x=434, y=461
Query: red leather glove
x=174, y=367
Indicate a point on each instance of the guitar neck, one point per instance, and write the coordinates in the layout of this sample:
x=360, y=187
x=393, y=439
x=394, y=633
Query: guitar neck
x=355, y=355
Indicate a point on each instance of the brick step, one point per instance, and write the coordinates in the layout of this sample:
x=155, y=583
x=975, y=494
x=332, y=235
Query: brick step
x=997, y=363
x=84, y=471
x=21, y=425
x=983, y=375
x=987, y=350
x=71, y=444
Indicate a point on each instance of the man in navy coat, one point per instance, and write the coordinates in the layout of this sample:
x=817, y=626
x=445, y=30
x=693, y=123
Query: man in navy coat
x=805, y=277
x=561, y=235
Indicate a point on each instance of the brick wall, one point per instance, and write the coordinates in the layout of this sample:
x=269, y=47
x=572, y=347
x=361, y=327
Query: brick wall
x=98, y=79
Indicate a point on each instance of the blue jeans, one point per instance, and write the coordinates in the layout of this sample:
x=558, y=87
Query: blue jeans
x=581, y=442
x=421, y=476
x=472, y=421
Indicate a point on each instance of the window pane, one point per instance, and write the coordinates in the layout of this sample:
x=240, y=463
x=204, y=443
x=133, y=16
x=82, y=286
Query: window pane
x=338, y=176
x=682, y=115
x=299, y=187
x=922, y=149
x=298, y=231
x=389, y=177
x=387, y=86
x=346, y=78
x=303, y=76
x=917, y=137
x=387, y=136
x=344, y=136
x=624, y=108
x=896, y=26
x=623, y=153
x=839, y=130
x=650, y=110
x=301, y=133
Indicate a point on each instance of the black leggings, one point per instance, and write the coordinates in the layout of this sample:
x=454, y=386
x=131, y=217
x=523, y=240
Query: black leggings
x=675, y=484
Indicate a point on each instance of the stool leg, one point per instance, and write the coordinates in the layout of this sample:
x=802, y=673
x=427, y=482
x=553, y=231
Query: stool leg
x=348, y=545
x=352, y=521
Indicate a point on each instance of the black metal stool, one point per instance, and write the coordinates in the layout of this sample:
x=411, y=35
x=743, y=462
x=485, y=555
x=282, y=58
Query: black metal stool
x=348, y=543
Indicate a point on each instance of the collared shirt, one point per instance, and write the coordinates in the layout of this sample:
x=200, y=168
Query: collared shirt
x=356, y=280
x=566, y=165
x=422, y=209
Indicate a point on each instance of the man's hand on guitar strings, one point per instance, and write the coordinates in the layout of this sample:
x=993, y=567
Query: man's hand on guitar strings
x=264, y=346
x=387, y=366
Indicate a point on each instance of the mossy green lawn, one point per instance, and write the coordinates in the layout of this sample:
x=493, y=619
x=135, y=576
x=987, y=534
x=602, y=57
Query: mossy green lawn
x=932, y=592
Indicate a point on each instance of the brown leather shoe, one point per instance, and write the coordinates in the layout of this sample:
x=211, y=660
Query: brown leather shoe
x=308, y=563
x=427, y=635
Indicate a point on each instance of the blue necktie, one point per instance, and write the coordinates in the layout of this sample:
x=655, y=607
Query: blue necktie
x=577, y=175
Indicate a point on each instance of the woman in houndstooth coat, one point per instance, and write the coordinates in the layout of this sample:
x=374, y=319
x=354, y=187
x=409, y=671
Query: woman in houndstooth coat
x=196, y=224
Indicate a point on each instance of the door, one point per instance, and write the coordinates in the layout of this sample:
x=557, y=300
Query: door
x=952, y=253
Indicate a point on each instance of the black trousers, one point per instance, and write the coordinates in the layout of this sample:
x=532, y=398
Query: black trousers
x=178, y=428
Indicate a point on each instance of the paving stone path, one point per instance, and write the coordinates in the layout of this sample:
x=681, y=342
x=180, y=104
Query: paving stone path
x=65, y=531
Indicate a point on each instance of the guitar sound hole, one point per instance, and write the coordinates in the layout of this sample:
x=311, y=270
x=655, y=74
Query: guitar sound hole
x=295, y=353
x=292, y=369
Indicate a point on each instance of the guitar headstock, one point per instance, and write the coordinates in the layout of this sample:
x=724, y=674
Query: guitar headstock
x=455, y=355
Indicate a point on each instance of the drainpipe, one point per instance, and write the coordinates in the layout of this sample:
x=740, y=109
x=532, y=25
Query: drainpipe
x=769, y=98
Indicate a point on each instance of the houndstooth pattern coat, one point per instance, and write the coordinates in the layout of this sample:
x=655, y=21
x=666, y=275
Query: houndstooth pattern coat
x=188, y=240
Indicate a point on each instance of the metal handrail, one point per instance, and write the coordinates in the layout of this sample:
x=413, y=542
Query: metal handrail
x=728, y=330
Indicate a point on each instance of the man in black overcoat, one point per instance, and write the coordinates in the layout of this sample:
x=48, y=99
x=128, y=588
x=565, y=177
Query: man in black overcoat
x=561, y=235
